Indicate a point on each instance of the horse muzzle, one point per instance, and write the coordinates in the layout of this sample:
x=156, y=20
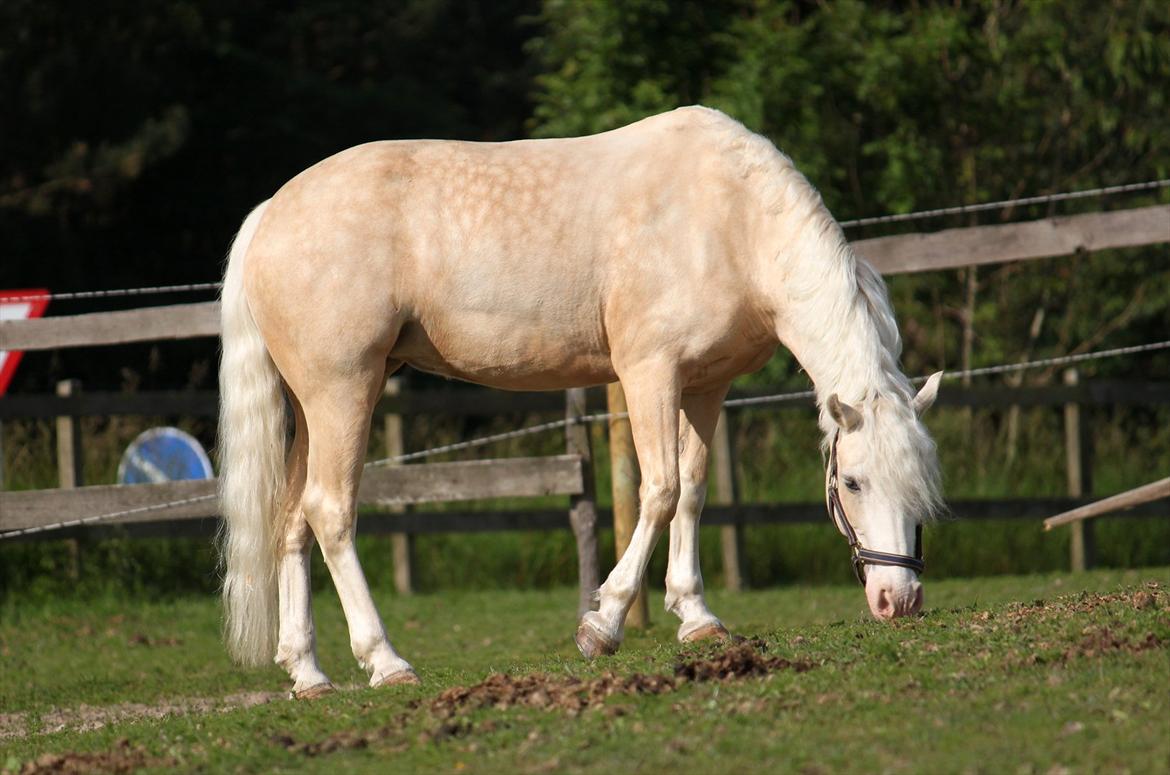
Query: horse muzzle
x=893, y=593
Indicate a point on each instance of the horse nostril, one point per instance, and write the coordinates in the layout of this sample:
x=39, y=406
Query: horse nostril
x=885, y=604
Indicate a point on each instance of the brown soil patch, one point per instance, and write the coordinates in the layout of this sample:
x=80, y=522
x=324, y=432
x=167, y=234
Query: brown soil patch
x=573, y=695
x=566, y=694
x=1151, y=595
x=121, y=758
x=1102, y=640
x=89, y=717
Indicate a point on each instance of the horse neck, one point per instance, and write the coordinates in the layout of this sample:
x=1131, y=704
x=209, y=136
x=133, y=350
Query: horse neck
x=832, y=311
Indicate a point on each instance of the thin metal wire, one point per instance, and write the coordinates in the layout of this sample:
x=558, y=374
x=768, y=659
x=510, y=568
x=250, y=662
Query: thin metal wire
x=604, y=416
x=1003, y=203
x=188, y=288
x=105, y=517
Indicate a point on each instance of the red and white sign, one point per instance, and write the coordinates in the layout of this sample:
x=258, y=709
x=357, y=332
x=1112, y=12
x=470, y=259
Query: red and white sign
x=18, y=305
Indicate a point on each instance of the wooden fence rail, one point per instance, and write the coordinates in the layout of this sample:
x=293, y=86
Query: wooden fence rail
x=494, y=520
x=898, y=254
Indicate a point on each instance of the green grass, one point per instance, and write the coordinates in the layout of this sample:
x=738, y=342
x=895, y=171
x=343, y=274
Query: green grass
x=980, y=683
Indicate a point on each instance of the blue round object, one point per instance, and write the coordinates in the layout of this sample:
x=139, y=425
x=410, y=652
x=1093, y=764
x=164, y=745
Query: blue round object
x=163, y=455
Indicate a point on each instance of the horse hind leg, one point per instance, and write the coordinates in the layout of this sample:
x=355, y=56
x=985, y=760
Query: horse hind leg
x=338, y=419
x=296, y=649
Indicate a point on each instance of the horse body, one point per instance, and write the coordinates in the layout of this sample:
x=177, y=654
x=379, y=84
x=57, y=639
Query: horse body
x=673, y=255
x=536, y=264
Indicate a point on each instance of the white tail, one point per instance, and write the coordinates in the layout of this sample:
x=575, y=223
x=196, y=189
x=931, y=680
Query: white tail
x=253, y=429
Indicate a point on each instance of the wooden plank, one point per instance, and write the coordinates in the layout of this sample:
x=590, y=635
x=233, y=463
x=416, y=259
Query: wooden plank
x=946, y=249
x=473, y=480
x=34, y=508
x=1044, y=238
x=176, y=321
x=554, y=519
x=1123, y=500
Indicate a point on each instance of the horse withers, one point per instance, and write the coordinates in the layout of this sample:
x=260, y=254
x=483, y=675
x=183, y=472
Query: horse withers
x=673, y=255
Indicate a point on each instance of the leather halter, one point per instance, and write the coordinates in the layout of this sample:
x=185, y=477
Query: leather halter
x=860, y=555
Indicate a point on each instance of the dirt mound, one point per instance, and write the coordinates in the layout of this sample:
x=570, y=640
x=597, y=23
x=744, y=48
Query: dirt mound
x=1102, y=640
x=121, y=758
x=1152, y=595
x=744, y=659
x=566, y=694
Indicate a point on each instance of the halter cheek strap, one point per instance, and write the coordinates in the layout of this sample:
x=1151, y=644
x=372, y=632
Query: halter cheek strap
x=860, y=555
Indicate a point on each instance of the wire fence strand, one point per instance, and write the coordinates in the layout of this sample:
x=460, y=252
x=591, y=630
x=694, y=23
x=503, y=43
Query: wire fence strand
x=921, y=215
x=604, y=416
x=115, y=292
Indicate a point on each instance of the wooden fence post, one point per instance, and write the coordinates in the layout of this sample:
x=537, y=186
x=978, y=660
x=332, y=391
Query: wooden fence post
x=724, y=492
x=625, y=476
x=1078, y=446
x=583, y=507
x=70, y=465
x=401, y=544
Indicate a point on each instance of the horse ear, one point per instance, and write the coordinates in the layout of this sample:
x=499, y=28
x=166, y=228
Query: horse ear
x=929, y=392
x=845, y=415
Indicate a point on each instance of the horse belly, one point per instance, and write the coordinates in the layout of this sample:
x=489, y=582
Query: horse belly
x=502, y=353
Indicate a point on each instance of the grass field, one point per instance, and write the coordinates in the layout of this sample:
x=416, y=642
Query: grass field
x=1039, y=674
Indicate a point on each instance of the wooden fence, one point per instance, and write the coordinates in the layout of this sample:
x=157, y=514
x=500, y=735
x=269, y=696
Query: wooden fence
x=569, y=474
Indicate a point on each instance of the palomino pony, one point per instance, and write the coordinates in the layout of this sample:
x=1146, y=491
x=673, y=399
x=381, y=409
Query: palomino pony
x=673, y=255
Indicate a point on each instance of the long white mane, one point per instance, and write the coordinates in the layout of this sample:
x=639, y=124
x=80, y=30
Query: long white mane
x=840, y=305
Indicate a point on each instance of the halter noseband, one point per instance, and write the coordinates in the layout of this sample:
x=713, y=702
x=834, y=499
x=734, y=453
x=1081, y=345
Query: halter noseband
x=860, y=555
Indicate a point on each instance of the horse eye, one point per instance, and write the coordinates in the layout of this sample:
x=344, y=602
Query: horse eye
x=852, y=484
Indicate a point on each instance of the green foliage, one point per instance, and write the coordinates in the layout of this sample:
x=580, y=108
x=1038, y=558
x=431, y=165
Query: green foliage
x=890, y=108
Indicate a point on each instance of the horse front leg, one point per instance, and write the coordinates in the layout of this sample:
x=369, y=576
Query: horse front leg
x=684, y=580
x=652, y=397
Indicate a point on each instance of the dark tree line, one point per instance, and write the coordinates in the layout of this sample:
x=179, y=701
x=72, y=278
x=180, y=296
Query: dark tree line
x=135, y=135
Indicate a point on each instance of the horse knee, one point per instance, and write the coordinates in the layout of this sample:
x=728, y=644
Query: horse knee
x=659, y=500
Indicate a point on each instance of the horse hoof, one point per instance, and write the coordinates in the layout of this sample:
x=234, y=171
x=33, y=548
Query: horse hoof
x=405, y=677
x=713, y=631
x=314, y=692
x=592, y=644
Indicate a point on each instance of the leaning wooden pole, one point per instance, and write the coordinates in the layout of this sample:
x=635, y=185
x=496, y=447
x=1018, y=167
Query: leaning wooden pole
x=624, y=471
x=1124, y=500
